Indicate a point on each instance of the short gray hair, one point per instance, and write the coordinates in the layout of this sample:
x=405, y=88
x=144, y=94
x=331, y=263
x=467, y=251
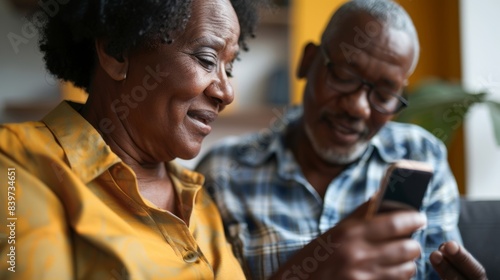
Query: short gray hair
x=386, y=11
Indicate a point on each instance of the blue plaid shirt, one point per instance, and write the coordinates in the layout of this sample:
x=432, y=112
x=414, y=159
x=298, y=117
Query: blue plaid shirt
x=270, y=211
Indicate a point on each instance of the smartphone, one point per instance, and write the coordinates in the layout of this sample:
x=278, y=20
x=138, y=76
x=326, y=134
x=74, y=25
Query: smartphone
x=403, y=187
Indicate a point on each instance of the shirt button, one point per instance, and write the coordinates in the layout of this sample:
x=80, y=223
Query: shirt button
x=190, y=257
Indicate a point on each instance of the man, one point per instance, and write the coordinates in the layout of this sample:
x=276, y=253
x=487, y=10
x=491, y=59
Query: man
x=286, y=195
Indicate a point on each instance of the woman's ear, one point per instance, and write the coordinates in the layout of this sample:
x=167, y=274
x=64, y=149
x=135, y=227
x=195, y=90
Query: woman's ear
x=116, y=68
x=306, y=61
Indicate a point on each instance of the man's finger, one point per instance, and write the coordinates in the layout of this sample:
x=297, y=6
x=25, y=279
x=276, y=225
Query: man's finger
x=444, y=269
x=402, y=271
x=395, y=225
x=398, y=251
x=462, y=260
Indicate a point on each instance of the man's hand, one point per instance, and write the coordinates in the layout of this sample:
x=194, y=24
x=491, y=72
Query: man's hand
x=453, y=262
x=378, y=248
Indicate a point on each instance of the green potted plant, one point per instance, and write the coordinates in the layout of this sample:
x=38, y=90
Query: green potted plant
x=441, y=107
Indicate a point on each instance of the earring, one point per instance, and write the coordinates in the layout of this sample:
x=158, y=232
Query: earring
x=125, y=76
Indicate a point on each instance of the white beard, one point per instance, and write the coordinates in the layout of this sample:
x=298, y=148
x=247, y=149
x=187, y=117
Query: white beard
x=335, y=156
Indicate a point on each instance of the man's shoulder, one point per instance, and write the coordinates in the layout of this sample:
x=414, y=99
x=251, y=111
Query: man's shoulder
x=239, y=157
x=241, y=147
x=254, y=148
x=402, y=140
x=231, y=143
x=405, y=132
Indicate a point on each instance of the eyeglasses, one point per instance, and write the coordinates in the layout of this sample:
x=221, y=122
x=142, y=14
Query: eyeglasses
x=383, y=99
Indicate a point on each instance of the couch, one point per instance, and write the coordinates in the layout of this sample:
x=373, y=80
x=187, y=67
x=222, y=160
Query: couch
x=479, y=226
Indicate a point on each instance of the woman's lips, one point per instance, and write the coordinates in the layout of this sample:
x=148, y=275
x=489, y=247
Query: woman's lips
x=201, y=119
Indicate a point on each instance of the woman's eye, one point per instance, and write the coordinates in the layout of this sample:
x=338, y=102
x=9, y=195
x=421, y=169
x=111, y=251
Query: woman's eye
x=229, y=70
x=209, y=62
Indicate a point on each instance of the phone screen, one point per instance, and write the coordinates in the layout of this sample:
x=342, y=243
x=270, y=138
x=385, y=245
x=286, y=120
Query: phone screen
x=405, y=189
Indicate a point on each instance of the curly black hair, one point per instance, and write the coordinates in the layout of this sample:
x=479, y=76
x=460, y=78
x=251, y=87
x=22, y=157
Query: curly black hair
x=67, y=37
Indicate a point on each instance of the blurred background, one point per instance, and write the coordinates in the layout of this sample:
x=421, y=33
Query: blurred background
x=458, y=46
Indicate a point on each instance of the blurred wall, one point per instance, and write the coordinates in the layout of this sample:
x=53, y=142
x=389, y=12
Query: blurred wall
x=481, y=71
x=23, y=79
x=308, y=19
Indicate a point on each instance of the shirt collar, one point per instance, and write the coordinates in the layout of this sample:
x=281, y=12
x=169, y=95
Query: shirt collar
x=87, y=153
x=387, y=145
x=271, y=142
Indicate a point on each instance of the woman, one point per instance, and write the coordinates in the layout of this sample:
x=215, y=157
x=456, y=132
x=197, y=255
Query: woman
x=93, y=192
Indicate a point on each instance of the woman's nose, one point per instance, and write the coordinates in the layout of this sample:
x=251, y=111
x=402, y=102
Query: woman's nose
x=221, y=90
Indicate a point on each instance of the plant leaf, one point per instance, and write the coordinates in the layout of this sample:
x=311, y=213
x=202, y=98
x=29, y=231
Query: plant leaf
x=440, y=107
x=495, y=118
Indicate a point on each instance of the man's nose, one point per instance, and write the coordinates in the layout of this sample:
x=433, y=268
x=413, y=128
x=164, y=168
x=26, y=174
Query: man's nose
x=357, y=104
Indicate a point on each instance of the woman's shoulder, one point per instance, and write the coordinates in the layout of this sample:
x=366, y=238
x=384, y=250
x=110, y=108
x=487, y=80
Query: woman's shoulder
x=15, y=135
x=32, y=131
x=20, y=129
x=22, y=143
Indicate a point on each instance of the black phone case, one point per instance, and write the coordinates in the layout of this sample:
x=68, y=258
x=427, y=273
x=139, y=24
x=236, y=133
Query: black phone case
x=405, y=189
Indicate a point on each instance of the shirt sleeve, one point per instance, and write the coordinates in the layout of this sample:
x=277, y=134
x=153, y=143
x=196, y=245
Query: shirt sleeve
x=36, y=243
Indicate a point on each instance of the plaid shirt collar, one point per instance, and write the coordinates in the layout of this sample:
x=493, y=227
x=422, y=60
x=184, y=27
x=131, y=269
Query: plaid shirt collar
x=271, y=143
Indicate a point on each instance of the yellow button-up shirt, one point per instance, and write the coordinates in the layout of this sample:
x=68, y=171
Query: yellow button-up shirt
x=71, y=209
